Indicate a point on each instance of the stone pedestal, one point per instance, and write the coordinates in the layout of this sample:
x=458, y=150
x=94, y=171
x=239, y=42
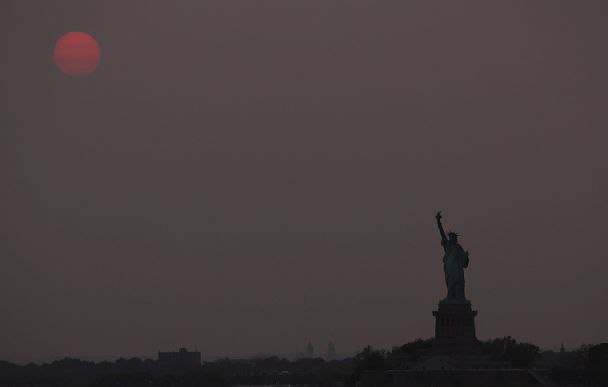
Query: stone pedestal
x=455, y=329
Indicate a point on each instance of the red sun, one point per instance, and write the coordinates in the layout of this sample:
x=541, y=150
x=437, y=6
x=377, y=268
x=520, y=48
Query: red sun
x=77, y=54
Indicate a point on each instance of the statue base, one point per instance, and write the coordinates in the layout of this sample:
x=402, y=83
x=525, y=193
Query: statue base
x=455, y=329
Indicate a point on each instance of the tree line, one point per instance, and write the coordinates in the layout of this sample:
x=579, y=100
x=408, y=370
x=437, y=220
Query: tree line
x=587, y=364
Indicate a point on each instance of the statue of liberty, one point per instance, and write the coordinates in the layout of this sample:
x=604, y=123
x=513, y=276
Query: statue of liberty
x=455, y=259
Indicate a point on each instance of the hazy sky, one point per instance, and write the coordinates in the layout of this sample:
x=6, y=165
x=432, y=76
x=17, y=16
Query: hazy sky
x=246, y=176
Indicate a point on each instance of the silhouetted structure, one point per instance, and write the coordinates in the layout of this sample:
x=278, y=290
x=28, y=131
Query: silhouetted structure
x=180, y=359
x=310, y=352
x=455, y=330
x=454, y=319
x=455, y=260
x=331, y=351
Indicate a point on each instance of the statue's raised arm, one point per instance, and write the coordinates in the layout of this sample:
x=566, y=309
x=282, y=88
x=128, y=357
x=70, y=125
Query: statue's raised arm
x=444, y=239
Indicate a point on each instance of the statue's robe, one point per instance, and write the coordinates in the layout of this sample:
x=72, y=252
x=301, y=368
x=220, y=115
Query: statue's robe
x=455, y=260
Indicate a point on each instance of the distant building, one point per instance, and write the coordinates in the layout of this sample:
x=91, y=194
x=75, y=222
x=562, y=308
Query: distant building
x=310, y=352
x=181, y=358
x=331, y=351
